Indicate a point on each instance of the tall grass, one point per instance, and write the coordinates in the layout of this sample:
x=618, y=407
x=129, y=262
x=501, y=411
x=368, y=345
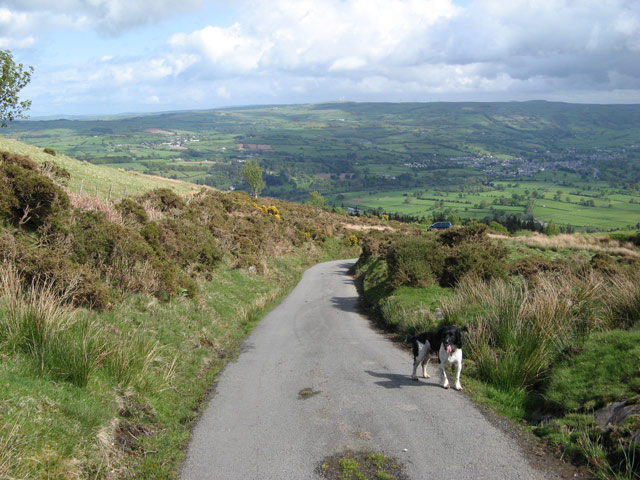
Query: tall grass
x=66, y=344
x=36, y=320
x=405, y=318
x=10, y=443
x=520, y=329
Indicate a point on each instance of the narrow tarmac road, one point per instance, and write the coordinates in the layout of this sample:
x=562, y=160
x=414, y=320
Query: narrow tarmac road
x=257, y=427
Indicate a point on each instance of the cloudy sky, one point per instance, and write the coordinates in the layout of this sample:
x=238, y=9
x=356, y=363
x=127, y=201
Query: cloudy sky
x=115, y=56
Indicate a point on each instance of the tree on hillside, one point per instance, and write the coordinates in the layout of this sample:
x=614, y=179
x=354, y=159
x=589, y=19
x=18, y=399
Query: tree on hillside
x=252, y=173
x=13, y=77
x=317, y=200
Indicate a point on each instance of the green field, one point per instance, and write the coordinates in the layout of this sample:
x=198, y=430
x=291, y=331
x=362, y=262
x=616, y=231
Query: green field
x=371, y=154
x=565, y=206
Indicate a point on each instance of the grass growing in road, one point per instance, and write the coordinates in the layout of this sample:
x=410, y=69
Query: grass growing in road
x=361, y=466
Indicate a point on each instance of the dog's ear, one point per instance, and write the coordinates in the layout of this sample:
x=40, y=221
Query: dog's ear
x=458, y=339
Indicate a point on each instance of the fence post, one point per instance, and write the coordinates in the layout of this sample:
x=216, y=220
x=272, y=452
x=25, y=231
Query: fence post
x=109, y=197
x=96, y=191
x=81, y=185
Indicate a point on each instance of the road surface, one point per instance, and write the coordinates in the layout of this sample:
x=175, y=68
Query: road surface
x=359, y=396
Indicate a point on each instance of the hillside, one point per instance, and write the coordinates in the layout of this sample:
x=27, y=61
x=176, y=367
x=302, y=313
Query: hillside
x=464, y=158
x=90, y=177
x=116, y=316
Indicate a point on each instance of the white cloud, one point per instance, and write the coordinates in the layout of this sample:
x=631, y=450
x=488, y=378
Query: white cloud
x=225, y=49
x=109, y=17
x=347, y=63
x=223, y=92
x=279, y=51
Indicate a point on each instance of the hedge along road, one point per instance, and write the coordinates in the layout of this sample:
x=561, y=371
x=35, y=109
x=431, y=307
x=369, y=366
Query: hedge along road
x=357, y=394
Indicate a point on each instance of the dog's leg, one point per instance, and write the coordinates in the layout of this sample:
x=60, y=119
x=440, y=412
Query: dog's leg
x=444, y=374
x=458, y=370
x=442, y=355
x=418, y=360
x=425, y=364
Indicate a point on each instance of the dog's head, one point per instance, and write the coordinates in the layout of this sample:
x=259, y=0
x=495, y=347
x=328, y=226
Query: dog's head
x=450, y=338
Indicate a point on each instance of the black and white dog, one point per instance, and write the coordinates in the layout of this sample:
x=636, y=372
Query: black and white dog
x=447, y=343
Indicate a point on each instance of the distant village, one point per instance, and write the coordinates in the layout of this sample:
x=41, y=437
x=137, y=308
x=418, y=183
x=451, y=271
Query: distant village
x=569, y=160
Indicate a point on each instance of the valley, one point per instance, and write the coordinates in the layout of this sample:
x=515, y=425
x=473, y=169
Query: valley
x=577, y=166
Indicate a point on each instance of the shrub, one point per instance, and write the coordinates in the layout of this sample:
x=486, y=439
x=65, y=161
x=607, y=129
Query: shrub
x=18, y=160
x=474, y=233
x=188, y=243
x=530, y=267
x=485, y=260
x=165, y=199
x=605, y=263
x=415, y=261
x=132, y=211
x=498, y=227
x=85, y=287
x=28, y=197
x=54, y=171
x=50, y=151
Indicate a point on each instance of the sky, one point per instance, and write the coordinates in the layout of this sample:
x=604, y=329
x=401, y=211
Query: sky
x=101, y=57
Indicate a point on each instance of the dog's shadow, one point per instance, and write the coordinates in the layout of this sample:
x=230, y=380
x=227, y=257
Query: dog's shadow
x=396, y=380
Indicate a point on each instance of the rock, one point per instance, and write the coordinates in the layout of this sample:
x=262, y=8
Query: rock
x=617, y=413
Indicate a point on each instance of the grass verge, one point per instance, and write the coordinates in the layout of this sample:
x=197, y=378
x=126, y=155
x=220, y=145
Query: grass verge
x=150, y=367
x=556, y=351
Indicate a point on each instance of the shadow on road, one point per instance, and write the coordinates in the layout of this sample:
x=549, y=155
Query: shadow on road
x=396, y=380
x=347, y=267
x=347, y=304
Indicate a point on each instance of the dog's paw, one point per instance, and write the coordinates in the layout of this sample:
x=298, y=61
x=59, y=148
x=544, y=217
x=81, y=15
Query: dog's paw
x=458, y=387
x=446, y=386
x=415, y=379
x=427, y=376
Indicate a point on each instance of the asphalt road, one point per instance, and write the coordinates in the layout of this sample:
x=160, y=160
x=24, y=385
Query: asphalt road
x=256, y=426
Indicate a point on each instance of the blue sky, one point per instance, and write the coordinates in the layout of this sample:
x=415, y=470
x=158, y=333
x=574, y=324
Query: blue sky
x=96, y=57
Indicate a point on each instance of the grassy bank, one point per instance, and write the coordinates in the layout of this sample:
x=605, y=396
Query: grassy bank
x=113, y=394
x=116, y=316
x=551, y=332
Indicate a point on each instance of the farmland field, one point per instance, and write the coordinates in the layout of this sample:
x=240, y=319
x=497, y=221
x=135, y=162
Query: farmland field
x=575, y=165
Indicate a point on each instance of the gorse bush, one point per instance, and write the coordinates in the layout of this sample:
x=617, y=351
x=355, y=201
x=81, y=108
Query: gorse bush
x=416, y=262
x=27, y=197
x=444, y=258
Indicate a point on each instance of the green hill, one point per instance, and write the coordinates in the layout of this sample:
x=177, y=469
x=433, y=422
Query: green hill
x=450, y=157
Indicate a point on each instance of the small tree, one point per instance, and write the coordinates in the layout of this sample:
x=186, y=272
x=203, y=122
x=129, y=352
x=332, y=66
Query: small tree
x=252, y=173
x=317, y=200
x=13, y=77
